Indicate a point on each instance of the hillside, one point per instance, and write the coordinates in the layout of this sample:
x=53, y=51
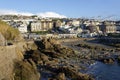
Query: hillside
x=8, y=32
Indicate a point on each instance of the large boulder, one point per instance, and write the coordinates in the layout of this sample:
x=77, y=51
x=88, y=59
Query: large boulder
x=47, y=43
x=53, y=48
x=26, y=70
x=108, y=60
x=37, y=57
x=72, y=74
x=61, y=76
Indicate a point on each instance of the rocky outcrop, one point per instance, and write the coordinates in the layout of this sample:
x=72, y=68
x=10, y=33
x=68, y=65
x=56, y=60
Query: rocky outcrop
x=39, y=58
x=8, y=54
x=26, y=70
x=54, y=60
x=47, y=44
x=12, y=54
x=53, y=48
x=71, y=73
x=108, y=60
x=61, y=76
x=23, y=60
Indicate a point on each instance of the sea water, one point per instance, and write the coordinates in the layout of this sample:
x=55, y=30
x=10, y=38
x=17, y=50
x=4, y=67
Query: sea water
x=103, y=71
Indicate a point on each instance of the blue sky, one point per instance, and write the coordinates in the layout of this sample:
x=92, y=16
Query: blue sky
x=69, y=8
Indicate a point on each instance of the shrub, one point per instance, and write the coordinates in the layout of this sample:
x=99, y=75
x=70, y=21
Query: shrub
x=8, y=32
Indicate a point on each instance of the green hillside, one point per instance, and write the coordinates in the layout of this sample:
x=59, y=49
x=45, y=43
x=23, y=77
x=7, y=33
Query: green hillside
x=9, y=32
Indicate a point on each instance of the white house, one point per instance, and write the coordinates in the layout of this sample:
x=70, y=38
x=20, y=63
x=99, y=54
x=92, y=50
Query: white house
x=75, y=30
x=22, y=28
x=76, y=22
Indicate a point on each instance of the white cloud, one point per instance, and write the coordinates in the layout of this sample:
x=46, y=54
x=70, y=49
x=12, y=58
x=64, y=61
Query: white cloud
x=50, y=15
x=13, y=12
x=43, y=15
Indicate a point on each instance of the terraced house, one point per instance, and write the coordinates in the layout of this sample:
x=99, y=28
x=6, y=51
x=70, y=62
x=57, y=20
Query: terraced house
x=42, y=25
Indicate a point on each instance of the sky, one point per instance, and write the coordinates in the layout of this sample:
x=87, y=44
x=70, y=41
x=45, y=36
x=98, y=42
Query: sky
x=68, y=8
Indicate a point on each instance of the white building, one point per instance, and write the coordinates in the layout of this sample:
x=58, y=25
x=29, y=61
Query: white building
x=36, y=26
x=22, y=28
x=76, y=22
x=67, y=35
x=65, y=27
x=42, y=25
x=75, y=30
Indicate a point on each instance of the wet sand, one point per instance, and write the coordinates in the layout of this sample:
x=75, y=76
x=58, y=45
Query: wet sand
x=71, y=43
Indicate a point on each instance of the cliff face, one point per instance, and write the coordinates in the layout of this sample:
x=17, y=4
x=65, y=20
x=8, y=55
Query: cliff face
x=12, y=55
x=8, y=54
x=25, y=69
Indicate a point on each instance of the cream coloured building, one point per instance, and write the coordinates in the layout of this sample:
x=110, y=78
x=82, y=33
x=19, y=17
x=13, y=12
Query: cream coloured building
x=42, y=25
x=36, y=26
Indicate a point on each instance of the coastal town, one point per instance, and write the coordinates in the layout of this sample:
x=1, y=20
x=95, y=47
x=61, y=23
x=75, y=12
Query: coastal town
x=59, y=40
x=34, y=27
x=36, y=48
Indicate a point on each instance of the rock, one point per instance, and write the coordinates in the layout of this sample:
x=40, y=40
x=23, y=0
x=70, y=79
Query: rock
x=26, y=70
x=35, y=56
x=53, y=41
x=52, y=48
x=52, y=53
x=61, y=76
x=19, y=54
x=71, y=73
x=53, y=62
x=46, y=44
x=8, y=55
x=118, y=58
x=39, y=57
x=54, y=58
x=82, y=76
x=31, y=46
x=44, y=57
x=66, y=51
x=108, y=60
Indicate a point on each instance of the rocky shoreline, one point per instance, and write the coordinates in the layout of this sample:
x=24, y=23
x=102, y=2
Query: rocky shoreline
x=57, y=62
x=94, y=51
x=65, y=60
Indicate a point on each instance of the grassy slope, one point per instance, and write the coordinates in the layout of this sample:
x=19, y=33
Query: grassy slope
x=8, y=32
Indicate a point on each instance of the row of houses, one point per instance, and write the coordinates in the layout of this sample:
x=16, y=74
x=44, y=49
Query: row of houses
x=31, y=25
x=71, y=26
x=42, y=25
